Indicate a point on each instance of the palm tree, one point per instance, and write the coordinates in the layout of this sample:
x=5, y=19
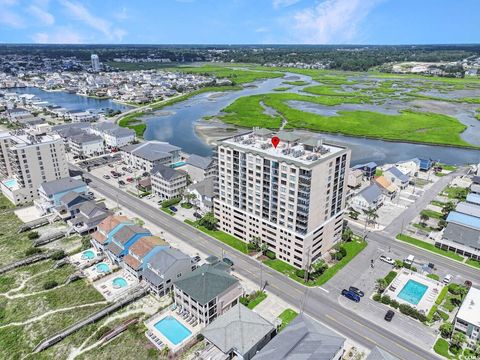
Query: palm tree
x=458, y=339
x=371, y=215
x=424, y=218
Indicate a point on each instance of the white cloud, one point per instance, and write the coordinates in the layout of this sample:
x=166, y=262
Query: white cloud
x=283, y=3
x=60, y=36
x=8, y=16
x=79, y=12
x=122, y=14
x=261, y=30
x=44, y=16
x=332, y=21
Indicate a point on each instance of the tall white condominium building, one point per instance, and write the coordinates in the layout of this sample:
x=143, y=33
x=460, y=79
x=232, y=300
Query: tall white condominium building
x=26, y=161
x=292, y=197
x=95, y=62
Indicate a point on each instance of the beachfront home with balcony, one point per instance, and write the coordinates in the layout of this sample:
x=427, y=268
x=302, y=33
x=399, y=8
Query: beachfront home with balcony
x=122, y=240
x=165, y=267
x=146, y=155
x=50, y=193
x=107, y=229
x=89, y=215
x=206, y=293
x=140, y=252
x=168, y=183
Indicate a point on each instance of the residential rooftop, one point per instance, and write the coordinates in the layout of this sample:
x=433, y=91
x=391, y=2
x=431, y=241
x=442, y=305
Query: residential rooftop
x=23, y=139
x=464, y=219
x=293, y=147
x=470, y=309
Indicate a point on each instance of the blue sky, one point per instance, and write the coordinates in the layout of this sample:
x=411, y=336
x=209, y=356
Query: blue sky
x=240, y=21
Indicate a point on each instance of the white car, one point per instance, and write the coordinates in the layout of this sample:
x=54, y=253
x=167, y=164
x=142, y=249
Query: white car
x=387, y=259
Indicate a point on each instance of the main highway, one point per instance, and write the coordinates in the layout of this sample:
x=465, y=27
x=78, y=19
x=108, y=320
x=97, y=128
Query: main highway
x=313, y=301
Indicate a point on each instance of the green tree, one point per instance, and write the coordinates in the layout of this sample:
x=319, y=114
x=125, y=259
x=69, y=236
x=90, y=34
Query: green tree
x=446, y=329
x=372, y=217
x=347, y=234
x=209, y=221
x=449, y=206
x=476, y=349
x=458, y=339
x=381, y=284
x=424, y=218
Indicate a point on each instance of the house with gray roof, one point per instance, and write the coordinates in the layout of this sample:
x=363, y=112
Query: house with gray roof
x=464, y=240
x=397, y=177
x=123, y=239
x=204, y=193
x=167, y=182
x=239, y=332
x=206, y=293
x=304, y=339
x=51, y=192
x=86, y=145
x=113, y=135
x=370, y=197
x=146, y=155
x=200, y=167
x=379, y=354
x=163, y=268
x=70, y=204
x=89, y=215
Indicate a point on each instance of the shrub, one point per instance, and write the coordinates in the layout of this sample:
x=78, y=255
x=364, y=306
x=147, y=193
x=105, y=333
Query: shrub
x=339, y=256
x=200, y=337
x=395, y=304
x=300, y=273
x=170, y=202
x=377, y=297
x=386, y=300
x=59, y=254
x=33, y=235
x=244, y=300
x=32, y=251
x=390, y=276
x=270, y=254
x=442, y=295
x=50, y=284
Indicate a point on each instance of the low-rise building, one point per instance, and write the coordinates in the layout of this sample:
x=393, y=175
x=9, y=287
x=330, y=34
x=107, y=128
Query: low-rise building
x=304, y=338
x=389, y=189
x=167, y=182
x=140, y=252
x=354, y=178
x=204, y=192
x=81, y=116
x=86, y=145
x=396, y=177
x=51, y=192
x=368, y=169
x=239, y=333
x=145, y=156
x=90, y=214
x=200, y=167
x=70, y=204
x=467, y=320
x=380, y=354
x=17, y=114
x=118, y=137
x=409, y=167
x=207, y=292
x=464, y=240
x=165, y=267
x=107, y=229
x=369, y=198
x=122, y=240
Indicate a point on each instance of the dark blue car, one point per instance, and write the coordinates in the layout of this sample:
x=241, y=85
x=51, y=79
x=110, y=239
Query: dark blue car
x=351, y=295
x=173, y=208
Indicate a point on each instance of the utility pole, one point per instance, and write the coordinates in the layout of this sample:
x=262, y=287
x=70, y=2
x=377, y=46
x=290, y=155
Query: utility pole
x=307, y=268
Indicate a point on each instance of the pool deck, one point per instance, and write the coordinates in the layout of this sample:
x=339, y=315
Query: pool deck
x=93, y=274
x=427, y=300
x=106, y=288
x=81, y=263
x=152, y=332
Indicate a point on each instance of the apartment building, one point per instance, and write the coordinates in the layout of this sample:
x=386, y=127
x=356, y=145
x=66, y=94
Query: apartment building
x=86, y=145
x=168, y=183
x=26, y=161
x=467, y=319
x=145, y=156
x=292, y=196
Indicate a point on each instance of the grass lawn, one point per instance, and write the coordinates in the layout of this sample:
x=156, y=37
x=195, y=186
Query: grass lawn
x=441, y=348
x=228, y=239
x=455, y=192
x=433, y=276
x=432, y=214
x=253, y=300
x=133, y=122
x=167, y=210
x=429, y=247
x=437, y=203
x=474, y=263
x=353, y=249
x=287, y=316
x=390, y=276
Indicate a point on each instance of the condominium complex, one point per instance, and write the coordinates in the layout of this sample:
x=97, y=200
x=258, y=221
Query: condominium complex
x=26, y=161
x=291, y=196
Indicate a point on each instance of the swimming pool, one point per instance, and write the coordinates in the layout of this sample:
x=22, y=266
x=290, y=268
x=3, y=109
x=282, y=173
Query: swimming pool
x=119, y=282
x=10, y=183
x=103, y=267
x=89, y=254
x=173, y=330
x=177, y=164
x=412, y=292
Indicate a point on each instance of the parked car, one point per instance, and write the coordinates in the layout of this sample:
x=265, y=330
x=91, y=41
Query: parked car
x=356, y=291
x=130, y=179
x=409, y=260
x=197, y=215
x=121, y=182
x=145, y=174
x=173, y=208
x=106, y=176
x=228, y=261
x=387, y=259
x=350, y=295
x=447, y=279
x=468, y=283
x=196, y=259
x=389, y=315
x=124, y=168
x=110, y=165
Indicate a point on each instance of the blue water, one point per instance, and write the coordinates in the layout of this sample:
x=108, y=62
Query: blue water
x=173, y=330
x=177, y=164
x=103, y=267
x=413, y=292
x=10, y=183
x=89, y=254
x=71, y=101
x=120, y=282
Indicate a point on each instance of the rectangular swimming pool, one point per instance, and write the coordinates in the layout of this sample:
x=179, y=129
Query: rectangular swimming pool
x=412, y=292
x=10, y=183
x=173, y=330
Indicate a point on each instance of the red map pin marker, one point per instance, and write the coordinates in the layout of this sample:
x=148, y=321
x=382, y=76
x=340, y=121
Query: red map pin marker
x=275, y=141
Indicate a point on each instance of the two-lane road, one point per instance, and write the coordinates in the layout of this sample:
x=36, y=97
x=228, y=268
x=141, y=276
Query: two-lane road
x=316, y=302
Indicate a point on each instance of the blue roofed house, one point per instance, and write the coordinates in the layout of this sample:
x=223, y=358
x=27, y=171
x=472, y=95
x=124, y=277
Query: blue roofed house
x=397, y=177
x=107, y=229
x=122, y=240
x=473, y=199
x=368, y=169
x=51, y=192
x=426, y=164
